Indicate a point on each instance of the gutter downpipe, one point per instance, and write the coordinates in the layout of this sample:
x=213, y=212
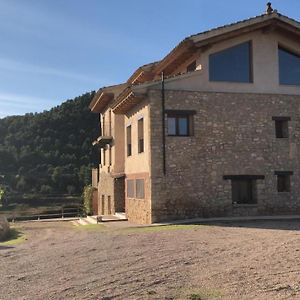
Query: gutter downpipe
x=163, y=121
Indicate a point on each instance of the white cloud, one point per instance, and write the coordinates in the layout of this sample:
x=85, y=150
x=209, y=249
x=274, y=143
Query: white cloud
x=16, y=66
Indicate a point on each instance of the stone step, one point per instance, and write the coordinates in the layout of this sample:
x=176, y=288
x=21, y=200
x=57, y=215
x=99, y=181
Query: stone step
x=92, y=219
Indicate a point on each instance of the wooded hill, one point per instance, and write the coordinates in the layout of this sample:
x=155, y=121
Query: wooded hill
x=49, y=152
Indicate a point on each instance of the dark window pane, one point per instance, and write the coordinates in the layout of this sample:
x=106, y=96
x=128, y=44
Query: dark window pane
x=283, y=183
x=171, y=126
x=243, y=191
x=233, y=64
x=289, y=67
x=281, y=128
x=140, y=188
x=183, y=125
x=130, y=188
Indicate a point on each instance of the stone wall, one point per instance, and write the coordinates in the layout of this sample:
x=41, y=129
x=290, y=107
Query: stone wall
x=106, y=190
x=234, y=134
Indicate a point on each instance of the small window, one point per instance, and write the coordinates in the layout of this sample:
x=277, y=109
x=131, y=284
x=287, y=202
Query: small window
x=281, y=127
x=110, y=155
x=130, y=188
x=128, y=134
x=191, y=67
x=179, y=123
x=103, y=204
x=289, y=67
x=140, y=135
x=140, y=188
x=233, y=64
x=243, y=191
x=104, y=157
x=283, y=181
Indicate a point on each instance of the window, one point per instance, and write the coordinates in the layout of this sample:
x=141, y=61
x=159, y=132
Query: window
x=128, y=134
x=104, y=157
x=130, y=188
x=191, y=67
x=109, y=155
x=102, y=204
x=289, y=67
x=140, y=135
x=243, y=188
x=140, y=188
x=233, y=64
x=243, y=191
x=281, y=127
x=283, y=181
x=179, y=123
x=109, y=205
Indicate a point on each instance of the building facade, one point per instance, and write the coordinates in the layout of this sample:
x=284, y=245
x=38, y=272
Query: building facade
x=216, y=135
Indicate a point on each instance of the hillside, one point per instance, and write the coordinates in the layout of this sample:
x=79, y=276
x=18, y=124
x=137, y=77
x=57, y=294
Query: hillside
x=49, y=152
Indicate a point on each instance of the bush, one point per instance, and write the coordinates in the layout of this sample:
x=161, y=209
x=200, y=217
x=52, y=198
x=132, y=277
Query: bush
x=88, y=199
x=46, y=189
x=4, y=228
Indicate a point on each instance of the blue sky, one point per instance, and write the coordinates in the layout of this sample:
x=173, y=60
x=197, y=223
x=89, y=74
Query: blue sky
x=54, y=50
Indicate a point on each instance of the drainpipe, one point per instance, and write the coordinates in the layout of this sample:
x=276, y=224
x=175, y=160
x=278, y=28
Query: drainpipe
x=163, y=121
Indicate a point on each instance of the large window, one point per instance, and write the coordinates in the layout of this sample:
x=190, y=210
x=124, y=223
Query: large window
x=243, y=191
x=233, y=64
x=128, y=136
x=289, y=67
x=179, y=123
x=243, y=188
x=140, y=135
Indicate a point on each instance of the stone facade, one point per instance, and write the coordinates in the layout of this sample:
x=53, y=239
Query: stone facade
x=234, y=134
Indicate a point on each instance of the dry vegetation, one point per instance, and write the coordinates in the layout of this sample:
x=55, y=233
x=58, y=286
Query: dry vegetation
x=237, y=261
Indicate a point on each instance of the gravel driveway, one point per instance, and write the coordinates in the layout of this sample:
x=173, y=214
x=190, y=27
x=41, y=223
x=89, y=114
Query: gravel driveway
x=238, y=261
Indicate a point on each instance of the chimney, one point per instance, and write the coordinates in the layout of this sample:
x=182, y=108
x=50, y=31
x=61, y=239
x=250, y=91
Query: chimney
x=269, y=8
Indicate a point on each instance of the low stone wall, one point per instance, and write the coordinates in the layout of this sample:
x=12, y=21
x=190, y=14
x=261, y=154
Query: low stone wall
x=4, y=228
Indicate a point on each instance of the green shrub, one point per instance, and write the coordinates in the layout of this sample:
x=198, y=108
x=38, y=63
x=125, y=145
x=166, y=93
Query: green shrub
x=88, y=199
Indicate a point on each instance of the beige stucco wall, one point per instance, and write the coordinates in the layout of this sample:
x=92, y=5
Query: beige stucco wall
x=137, y=162
x=265, y=67
x=116, y=130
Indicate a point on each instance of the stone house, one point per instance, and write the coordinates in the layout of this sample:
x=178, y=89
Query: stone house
x=218, y=134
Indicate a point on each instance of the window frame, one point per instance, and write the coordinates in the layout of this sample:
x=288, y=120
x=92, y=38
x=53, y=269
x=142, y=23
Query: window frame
x=128, y=145
x=281, y=127
x=131, y=181
x=141, y=135
x=188, y=115
x=138, y=196
x=250, y=64
x=290, y=52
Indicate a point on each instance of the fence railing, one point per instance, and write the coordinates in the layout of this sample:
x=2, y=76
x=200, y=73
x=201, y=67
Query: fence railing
x=58, y=213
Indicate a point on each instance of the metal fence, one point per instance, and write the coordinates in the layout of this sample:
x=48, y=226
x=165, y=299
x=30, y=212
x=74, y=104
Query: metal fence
x=55, y=213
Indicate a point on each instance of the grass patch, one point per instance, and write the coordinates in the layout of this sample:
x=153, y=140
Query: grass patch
x=15, y=237
x=91, y=227
x=162, y=228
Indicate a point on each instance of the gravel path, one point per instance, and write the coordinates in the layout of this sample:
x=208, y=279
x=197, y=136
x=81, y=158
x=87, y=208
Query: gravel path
x=242, y=261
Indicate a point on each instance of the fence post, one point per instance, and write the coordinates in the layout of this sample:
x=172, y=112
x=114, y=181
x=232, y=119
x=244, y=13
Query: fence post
x=62, y=214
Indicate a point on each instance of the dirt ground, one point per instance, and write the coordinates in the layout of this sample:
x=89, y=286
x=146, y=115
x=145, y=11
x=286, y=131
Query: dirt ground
x=257, y=260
